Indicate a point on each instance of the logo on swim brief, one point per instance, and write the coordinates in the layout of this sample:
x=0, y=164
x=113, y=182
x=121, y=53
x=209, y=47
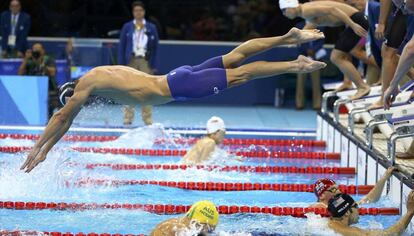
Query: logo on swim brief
x=173, y=73
x=216, y=90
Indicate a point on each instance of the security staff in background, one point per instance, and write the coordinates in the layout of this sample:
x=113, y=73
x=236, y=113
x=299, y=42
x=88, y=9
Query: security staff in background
x=138, y=45
x=14, y=27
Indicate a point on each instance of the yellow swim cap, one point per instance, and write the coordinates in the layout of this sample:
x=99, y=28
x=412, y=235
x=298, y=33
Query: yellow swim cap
x=205, y=212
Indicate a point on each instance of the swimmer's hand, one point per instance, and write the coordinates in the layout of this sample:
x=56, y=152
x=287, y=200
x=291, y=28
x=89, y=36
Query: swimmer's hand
x=239, y=158
x=33, y=159
x=359, y=30
x=379, y=31
x=389, y=96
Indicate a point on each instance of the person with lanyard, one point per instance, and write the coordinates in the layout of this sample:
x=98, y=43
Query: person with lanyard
x=15, y=27
x=138, y=45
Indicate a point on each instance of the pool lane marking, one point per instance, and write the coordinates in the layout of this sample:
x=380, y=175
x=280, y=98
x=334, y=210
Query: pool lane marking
x=219, y=186
x=179, y=209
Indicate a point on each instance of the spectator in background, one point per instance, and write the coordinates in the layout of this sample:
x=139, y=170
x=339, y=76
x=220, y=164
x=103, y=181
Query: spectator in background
x=15, y=26
x=36, y=62
x=316, y=51
x=138, y=49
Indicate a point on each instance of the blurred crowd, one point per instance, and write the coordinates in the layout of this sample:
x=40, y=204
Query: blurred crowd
x=222, y=20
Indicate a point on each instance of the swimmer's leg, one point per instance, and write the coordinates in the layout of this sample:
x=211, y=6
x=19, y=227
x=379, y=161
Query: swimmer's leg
x=263, y=69
x=255, y=46
x=340, y=59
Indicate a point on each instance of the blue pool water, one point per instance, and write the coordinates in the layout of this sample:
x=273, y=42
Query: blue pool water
x=49, y=183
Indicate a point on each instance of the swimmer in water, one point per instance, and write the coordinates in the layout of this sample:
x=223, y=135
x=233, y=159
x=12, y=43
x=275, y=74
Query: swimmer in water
x=202, y=217
x=344, y=213
x=128, y=86
x=202, y=150
x=326, y=189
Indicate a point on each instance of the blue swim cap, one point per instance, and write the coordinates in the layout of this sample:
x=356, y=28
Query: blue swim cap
x=65, y=91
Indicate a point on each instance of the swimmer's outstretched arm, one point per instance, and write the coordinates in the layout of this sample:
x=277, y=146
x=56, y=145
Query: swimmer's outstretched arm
x=396, y=229
x=375, y=193
x=55, y=129
x=404, y=65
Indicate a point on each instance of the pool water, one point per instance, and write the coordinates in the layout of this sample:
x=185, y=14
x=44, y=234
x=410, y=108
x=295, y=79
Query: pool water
x=55, y=181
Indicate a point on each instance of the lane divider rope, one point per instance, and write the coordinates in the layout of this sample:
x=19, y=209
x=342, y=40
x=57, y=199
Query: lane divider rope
x=229, y=141
x=254, y=169
x=31, y=232
x=179, y=209
x=222, y=186
x=175, y=152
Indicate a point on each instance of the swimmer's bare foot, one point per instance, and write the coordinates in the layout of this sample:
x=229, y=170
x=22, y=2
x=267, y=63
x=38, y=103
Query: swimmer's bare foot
x=361, y=92
x=306, y=65
x=404, y=155
x=297, y=36
x=344, y=86
x=376, y=105
x=379, y=83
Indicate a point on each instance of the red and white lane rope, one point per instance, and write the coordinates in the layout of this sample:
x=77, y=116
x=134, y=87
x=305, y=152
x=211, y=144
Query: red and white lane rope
x=255, y=169
x=224, y=186
x=229, y=141
x=174, y=152
x=24, y=232
x=179, y=209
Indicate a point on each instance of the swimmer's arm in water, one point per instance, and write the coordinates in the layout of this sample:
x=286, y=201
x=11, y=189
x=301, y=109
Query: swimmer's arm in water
x=318, y=205
x=168, y=227
x=206, y=148
x=56, y=128
x=396, y=229
x=200, y=151
x=375, y=193
x=310, y=11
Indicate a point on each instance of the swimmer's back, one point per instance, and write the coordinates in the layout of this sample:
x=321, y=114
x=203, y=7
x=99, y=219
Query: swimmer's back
x=168, y=227
x=194, y=155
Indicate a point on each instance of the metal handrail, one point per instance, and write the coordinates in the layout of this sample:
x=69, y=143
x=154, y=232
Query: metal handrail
x=338, y=104
x=369, y=128
x=351, y=120
x=401, y=132
x=325, y=97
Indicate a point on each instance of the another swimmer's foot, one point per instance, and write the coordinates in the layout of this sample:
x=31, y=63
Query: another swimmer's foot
x=361, y=92
x=379, y=83
x=404, y=156
x=297, y=36
x=376, y=105
x=306, y=65
x=344, y=86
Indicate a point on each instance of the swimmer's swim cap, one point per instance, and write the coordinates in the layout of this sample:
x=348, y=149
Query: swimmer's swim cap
x=283, y=4
x=340, y=204
x=214, y=124
x=65, y=91
x=322, y=185
x=204, y=212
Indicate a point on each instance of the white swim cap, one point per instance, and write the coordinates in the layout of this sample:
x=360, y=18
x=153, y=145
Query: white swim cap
x=283, y=4
x=214, y=124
